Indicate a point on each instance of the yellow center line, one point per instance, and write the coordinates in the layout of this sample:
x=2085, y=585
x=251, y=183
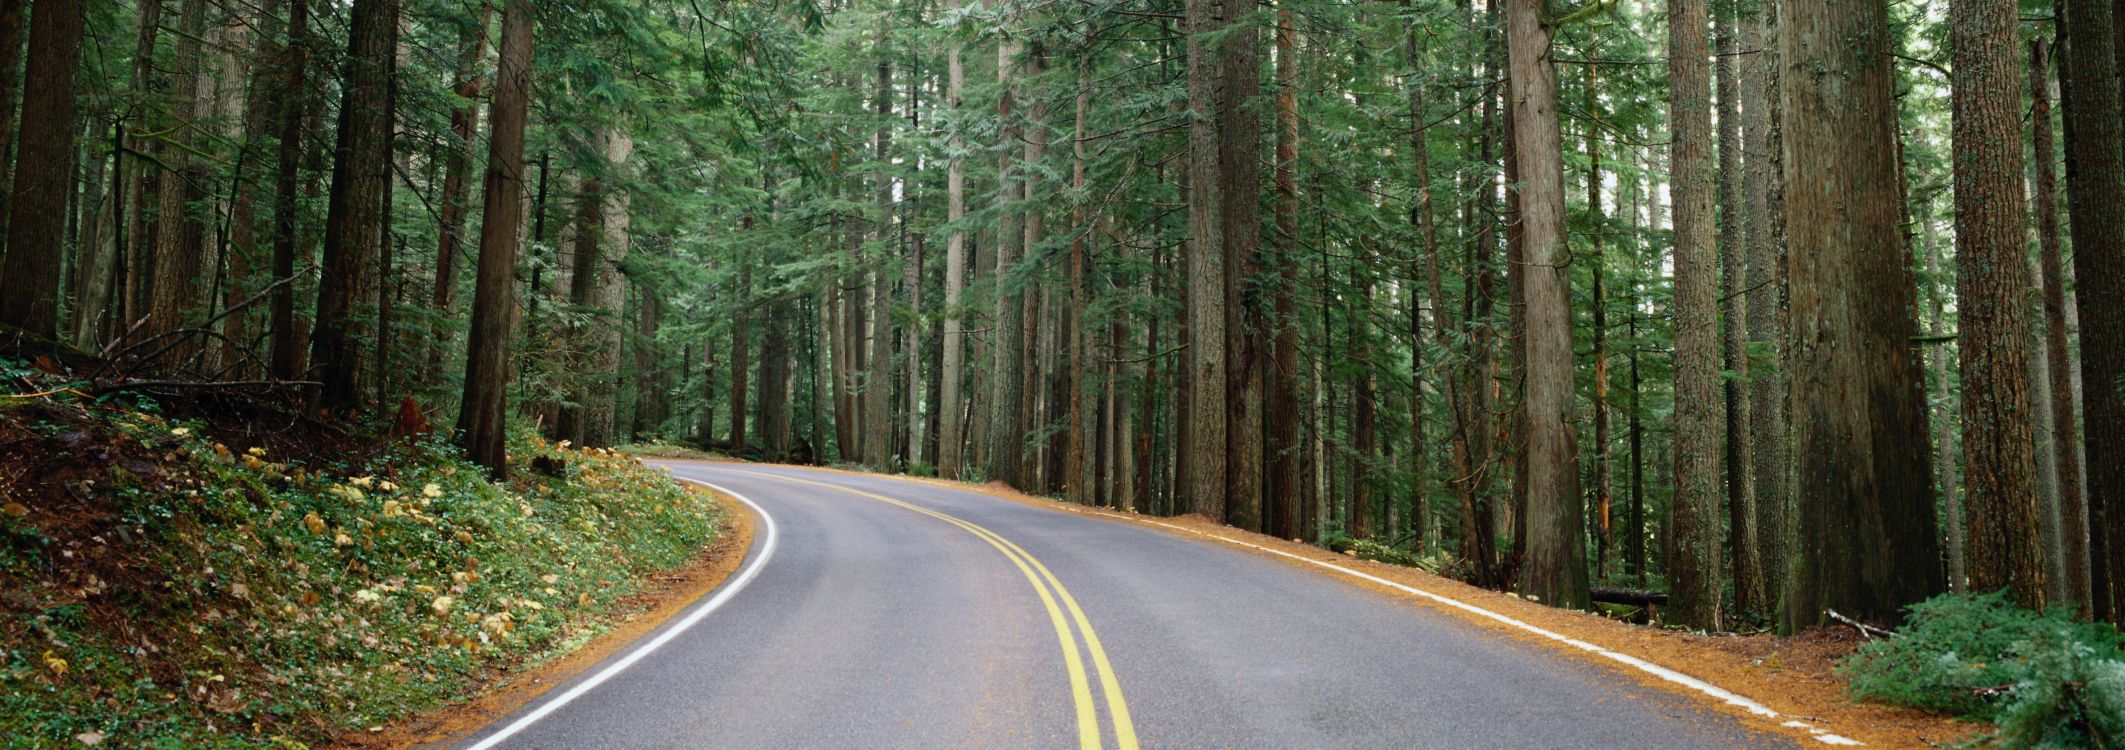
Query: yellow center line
x=1089, y=736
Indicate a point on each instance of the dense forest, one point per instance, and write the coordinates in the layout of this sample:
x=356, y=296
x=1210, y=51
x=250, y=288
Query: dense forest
x=1769, y=308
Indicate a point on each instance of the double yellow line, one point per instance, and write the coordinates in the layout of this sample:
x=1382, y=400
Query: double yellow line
x=1050, y=590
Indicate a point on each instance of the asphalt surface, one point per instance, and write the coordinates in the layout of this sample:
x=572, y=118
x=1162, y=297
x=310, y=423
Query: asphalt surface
x=872, y=625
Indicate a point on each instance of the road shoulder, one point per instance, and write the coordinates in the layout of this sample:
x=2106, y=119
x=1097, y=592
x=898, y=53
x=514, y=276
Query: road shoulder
x=663, y=596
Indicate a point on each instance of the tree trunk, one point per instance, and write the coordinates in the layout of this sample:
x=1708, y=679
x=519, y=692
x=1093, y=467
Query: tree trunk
x=1699, y=419
x=741, y=334
x=1283, y=488
x=1991, y=283
x=1555, y=567
x=457, y=168
x=1075, y=472
x=2095, y=194
x=361, y=172
x=1007, y=419
x=2065, y=438
x=175, y=293
x=1204, y=443
x=12, y=16
x=37, y=218
x=484, y=410
x=1742, y=543
x=951, y=439
x=1246, y=325
x=1868, y=545
x=1765, y=285
x=286, y=357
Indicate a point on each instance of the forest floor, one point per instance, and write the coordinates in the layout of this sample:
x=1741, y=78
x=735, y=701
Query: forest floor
x=1796, y=676
x=207, y=569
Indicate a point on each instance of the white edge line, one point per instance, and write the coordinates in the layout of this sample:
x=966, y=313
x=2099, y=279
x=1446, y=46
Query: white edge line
x=767, y=550
x=1714, y=691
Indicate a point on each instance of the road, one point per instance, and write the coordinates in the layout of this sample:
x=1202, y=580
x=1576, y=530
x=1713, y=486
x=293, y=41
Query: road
x=899, y=614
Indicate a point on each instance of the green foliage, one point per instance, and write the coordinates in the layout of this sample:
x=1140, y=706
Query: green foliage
x=2047, y=679
x=228, y=597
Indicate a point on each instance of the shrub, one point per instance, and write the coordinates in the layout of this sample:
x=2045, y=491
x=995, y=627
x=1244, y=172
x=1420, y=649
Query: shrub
x=2045, y=678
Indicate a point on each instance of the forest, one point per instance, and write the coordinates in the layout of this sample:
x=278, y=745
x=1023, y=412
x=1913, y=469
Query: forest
x=1770, y=311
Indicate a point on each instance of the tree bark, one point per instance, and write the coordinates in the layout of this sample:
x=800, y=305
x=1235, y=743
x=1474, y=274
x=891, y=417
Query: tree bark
x=1991, y=282
x=457, y=168
x=1246, y=324
x=1742, y=544
x=2095, y=193
x=482, y=418
x=1765, y=285
x=1204, y=444
x=1699, y=419
x=2065, y=439
x=37, y=218
x=1282, y=488
x=361, y=172
x=1867, y=539
x=1555, y=567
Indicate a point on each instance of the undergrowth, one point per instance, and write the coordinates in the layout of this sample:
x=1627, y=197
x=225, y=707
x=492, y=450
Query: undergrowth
x=2045, y=679
x=162, y=589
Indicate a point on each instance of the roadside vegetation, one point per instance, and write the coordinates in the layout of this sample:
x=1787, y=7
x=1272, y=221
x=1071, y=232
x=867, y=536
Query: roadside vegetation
x=2046, y=679
x=181, y=572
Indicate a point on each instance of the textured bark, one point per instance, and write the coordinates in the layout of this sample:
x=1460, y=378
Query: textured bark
x=651, y=382
x=1743, y=547
x=1765, y=285
x=741, y=336
x=1422, y=265
x=1076, y=473
x=361, y=172
x=878, y=380
x=1943, y=413
x=1247, y=341
x=1203, y=444
x=2095, y=192
x=286, y=356
x=482, y=417
x=175, y=293
x=457, y=169
x=1007, y=417
x=1699, y=411
x=2065, y=438
x=36, y=223
x=13, y=17
x=142, y=180
x=951, y=438
x=1555, y=567
x=1867, y=540
x=1282, y=485
x=1991, y=282
x=1603, y=471
x=773, y=416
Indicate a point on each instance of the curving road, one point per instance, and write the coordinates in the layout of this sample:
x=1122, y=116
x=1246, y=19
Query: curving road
x=881, y=613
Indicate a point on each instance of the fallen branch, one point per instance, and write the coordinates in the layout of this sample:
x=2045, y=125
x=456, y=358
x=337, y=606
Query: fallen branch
x=1864, y=629
x=141, y=385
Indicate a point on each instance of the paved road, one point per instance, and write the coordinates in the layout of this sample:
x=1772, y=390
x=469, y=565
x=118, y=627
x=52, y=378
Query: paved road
x=897, y=614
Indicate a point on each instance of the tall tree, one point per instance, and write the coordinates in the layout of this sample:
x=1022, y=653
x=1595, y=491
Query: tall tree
x=950, y=433
x=1555, y=567
x=1699, y=419
x=1743, y=546
x=2095, y=197
x=1203, y=444
x=1867, y=544
x=483, y=414
x=37, y=217
x=1992, y=279
x=2065, y=438
x=361, y=173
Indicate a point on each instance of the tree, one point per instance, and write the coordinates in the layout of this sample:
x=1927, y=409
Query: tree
x=1555, y=567
x=2065, y=437
x=2095, y=200
x=37, y=215
x=1992, y=278
x=361, y=175
x=951, y=437
x=483, y=414
x=1204, y=439
x=1699, y=418
x=1865, y=505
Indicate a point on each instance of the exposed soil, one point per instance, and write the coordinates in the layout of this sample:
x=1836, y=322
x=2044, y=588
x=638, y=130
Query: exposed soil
x=661, y=598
